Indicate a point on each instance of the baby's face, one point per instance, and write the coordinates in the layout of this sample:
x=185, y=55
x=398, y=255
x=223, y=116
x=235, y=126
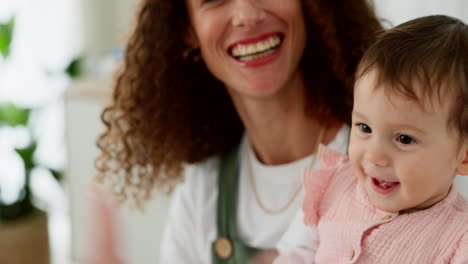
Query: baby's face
x=405, y=156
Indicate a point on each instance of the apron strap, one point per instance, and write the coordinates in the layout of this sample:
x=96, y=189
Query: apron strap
x=228, y=248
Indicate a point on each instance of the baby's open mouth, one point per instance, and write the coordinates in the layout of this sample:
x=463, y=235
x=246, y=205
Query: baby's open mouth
x=384, y=187
x=256, y=50
x=384, y=184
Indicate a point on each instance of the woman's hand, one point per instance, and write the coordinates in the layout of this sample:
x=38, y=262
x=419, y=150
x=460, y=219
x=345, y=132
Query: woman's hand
x=103, y=239
x=266, y=257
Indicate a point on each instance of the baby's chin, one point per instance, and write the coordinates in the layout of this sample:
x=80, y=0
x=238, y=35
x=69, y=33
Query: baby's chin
x=383, y=203
x=389, y=208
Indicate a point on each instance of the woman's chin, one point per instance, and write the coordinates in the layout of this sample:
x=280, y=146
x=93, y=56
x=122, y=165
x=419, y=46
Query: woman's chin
x=264, y=87
x=259, y=92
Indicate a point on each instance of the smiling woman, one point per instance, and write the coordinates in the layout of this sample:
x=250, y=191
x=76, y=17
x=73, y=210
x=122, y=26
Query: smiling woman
x=243, y=91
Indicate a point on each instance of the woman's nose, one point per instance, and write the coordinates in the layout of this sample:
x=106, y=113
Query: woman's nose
x=247, y=13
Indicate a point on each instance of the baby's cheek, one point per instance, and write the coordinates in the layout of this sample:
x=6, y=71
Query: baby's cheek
x=413, y=180
x=353, y=152
x=358, y=171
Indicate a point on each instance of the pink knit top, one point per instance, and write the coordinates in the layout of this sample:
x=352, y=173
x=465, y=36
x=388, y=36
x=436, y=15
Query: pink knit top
x=352, y=230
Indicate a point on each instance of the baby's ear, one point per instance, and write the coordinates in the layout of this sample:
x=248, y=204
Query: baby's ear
x=462, y=168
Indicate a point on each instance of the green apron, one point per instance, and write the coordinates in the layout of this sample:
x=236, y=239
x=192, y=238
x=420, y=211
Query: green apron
x=228, y=248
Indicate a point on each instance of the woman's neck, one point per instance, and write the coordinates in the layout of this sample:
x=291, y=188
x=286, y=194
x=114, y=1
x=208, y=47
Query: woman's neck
x=278, y=127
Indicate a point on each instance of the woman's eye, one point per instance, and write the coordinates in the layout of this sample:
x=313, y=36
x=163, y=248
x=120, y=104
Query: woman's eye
x=208, y=1
x=364, y=128
x=404, y=139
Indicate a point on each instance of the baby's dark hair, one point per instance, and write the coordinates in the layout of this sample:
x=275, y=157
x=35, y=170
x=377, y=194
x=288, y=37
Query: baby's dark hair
x=431, y=52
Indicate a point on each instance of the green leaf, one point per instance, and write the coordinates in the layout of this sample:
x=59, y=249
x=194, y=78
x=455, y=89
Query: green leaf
x=6, y=36
x=27, y=155
x=11, y=115
x=74, y=69
x=57, y=174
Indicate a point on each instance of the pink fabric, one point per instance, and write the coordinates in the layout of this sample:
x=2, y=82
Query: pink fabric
x=352, y=230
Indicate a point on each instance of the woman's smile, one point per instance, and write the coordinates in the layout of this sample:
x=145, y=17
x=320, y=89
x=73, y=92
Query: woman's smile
x=257, y=51
x=253, y=47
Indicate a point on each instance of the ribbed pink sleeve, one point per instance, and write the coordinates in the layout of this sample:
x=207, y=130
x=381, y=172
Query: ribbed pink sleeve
x=316, y=181
x=461, y=254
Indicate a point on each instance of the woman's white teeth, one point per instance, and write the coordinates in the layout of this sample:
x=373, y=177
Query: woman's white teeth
x=256, y=56
x=251, y=51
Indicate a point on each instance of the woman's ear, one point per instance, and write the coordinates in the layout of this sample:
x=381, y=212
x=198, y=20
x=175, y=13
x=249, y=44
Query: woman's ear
x=462, y=168
x=191, y=39
x=192, y=52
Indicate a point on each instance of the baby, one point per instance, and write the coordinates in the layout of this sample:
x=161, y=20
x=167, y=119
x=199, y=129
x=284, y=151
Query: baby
x=393, y=200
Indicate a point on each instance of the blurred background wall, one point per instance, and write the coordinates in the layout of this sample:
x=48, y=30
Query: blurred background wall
x=51, y=33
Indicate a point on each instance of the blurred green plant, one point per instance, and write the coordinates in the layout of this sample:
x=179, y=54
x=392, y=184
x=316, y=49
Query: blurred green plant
x=6, y=36
x=14, y=116
x=75, y=68
x=11, y=115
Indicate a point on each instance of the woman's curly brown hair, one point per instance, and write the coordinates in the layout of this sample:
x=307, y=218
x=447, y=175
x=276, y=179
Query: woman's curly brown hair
x=167, y=112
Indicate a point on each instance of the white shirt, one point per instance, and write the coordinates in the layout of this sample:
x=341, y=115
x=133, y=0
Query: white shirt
x=191, y=226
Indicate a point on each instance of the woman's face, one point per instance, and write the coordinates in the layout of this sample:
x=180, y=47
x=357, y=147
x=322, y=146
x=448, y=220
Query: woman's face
x=253, y=46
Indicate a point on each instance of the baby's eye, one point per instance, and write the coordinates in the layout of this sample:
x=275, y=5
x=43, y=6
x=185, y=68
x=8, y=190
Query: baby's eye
x=364, y=128
x=404, y=139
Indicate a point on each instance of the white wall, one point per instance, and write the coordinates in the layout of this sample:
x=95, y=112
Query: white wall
x=106, y=24
x=140, y=232
x=399, y=11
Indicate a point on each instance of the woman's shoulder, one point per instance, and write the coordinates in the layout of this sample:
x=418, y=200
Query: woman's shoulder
x=206, y=168
x=200, y=179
